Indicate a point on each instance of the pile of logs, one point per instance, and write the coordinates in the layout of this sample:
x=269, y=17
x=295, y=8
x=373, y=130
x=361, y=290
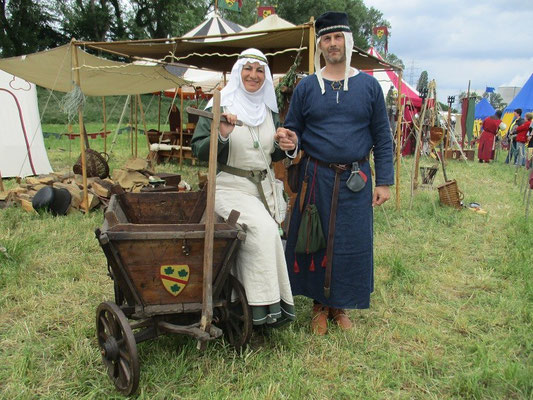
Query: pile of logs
x=132, y=178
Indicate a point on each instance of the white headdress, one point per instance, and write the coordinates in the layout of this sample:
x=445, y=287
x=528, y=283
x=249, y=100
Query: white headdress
x=250, y=107
x=348, y=48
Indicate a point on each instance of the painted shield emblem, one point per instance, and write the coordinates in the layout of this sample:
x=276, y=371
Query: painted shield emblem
x=174, y=278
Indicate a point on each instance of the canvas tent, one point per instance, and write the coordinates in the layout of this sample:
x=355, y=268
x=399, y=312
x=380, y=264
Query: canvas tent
x=280, y=45
x=215, y=25
x=54, y=69
x=22, y=150
x=389, y=78
x=523, y=100
x=483, y=109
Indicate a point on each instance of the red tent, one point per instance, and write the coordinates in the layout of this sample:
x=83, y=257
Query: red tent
x=386, y=78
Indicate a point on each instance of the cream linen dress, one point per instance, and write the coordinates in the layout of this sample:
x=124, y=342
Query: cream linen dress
x=260, y=262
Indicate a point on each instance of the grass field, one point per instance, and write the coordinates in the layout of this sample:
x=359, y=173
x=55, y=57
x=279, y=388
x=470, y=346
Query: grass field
x=451, y=315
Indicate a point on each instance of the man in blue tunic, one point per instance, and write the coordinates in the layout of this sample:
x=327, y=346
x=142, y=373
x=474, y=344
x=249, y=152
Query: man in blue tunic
x=339, y=116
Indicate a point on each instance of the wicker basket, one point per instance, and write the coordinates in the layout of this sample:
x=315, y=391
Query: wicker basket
x=96, y=164
x=428, y=175
x=450, y=195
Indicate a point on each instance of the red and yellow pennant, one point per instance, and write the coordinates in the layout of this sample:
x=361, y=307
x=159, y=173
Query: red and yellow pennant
x=265, y=11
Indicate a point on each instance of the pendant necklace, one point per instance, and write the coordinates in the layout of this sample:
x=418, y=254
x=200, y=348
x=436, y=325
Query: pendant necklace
x=336, y=86
x=254, y=137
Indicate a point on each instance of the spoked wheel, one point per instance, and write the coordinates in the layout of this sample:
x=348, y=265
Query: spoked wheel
x=118, y=347
x=236, y=315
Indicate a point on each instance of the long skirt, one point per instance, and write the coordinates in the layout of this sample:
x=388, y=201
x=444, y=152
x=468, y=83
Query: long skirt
x=486, y=143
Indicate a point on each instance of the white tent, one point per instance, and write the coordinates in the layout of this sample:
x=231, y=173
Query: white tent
x=22, y=150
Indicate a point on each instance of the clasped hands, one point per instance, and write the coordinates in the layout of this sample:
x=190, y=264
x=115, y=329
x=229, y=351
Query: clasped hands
x=286, y=139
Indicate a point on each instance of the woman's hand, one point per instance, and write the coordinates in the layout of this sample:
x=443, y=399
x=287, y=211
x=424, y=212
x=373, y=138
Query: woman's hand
x=227, y=127
x=286, y=139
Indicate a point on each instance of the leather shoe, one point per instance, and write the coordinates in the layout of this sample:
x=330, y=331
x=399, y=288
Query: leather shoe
x=340, y=317
x=319, y=322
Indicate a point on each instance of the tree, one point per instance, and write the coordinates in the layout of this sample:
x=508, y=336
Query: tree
x=27, y=27
x=422, y=82
x=495, y=100
x=166, y=18
x=394, y=59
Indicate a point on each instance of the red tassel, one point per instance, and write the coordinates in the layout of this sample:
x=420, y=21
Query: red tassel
x=324, y=262
x=296, y=266
x=312, y=266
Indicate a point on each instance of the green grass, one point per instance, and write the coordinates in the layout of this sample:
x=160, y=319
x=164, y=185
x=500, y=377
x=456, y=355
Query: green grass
x=451, y=314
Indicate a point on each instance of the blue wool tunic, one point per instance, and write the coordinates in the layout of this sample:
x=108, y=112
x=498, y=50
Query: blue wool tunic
x=339, y=127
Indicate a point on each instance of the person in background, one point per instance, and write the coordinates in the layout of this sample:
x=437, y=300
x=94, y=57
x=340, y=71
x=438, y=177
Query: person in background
x=242, y=183
x=174, y=118
x=521, y=140
x=490, y=127
x=511, y=136
x=339, y=115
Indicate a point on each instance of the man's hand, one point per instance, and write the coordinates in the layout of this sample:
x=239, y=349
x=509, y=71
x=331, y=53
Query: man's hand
x=381, y=195
x=286, y=139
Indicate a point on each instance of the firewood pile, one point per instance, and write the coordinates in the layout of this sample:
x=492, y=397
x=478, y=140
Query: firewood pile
x=132, y=177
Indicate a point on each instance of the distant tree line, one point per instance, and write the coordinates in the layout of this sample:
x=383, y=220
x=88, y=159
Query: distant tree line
x=27, y=26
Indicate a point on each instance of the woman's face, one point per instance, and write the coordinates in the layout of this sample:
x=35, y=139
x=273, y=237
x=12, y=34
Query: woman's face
x=253, y=76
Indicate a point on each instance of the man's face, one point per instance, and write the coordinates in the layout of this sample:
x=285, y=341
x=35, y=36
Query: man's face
x=333, y=48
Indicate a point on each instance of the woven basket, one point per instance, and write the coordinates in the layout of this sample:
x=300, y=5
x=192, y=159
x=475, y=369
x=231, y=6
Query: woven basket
x=450, y=195
x=96, y=164
x=428, y=175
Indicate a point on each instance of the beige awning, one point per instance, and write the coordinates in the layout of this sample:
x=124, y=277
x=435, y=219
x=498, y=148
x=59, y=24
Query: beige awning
x=220, y=55
x=53, y=69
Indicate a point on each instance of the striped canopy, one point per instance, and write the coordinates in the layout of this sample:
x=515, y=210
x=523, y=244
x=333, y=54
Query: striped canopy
x=213, y=26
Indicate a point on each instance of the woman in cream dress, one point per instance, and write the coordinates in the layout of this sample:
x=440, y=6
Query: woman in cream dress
x=244, y=154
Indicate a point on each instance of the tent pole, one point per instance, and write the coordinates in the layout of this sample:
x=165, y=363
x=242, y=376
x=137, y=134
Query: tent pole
x=131, y=126
x=1, y=183
x=398, y=139
x=137, y=99
x=158, y=116
x=105, y=125
x=83, y=136
x=418, y=137
x=181, y=128
x=144, y=122
x=311, y=46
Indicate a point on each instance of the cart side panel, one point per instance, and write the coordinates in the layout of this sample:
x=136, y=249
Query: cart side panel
x=143, y=260
x=163, y=208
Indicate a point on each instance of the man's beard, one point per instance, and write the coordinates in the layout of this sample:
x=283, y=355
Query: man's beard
x=337, y=59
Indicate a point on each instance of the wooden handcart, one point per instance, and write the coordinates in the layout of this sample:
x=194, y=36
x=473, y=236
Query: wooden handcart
x=153, y=243
x=171, y=273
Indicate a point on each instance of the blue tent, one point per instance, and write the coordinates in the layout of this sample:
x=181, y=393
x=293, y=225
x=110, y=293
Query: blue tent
x=523, y=100
x=483, y=109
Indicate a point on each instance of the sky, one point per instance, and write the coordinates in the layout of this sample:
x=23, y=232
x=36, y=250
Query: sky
x=487, y=42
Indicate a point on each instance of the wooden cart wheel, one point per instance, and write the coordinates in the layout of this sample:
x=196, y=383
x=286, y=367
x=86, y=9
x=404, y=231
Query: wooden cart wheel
x=236, y=315
x=118, y=347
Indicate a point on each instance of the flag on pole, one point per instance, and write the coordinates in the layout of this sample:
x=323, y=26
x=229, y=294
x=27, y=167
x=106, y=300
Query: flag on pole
x=380, y=37
x=265, y=11
x=489, y=89
x=233, y=5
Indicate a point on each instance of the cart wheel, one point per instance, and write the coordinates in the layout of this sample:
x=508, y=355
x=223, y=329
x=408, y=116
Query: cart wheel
x=118, y=347
x=236, y=315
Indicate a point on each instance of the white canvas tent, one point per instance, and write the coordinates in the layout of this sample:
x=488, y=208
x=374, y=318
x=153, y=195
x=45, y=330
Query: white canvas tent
x=22, y=150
